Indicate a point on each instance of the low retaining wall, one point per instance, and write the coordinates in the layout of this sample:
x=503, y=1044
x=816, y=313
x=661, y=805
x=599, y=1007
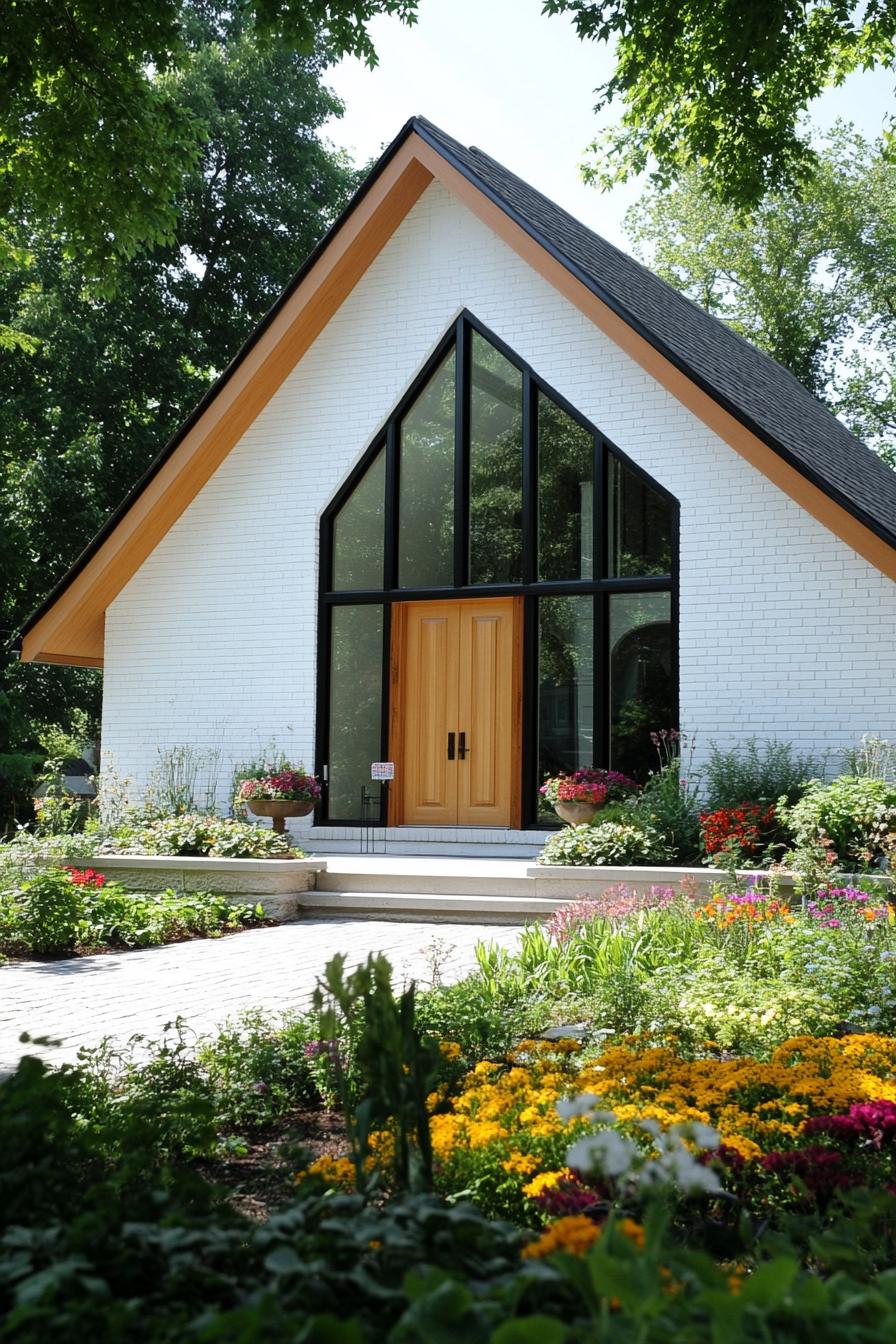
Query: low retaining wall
x=564, y=883
x=276, y=883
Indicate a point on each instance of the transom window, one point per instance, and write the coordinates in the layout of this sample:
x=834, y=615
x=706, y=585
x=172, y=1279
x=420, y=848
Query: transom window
x=486, y=481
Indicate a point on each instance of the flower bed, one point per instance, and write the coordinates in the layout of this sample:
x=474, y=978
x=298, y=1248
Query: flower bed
x=508, y=1135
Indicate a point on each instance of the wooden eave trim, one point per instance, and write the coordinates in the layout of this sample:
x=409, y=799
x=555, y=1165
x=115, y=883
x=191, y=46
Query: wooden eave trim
x=304, y=315
x=251, y=385
x=744, y=442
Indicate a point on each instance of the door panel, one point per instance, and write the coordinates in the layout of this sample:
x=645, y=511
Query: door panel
x=429, y=684
x=485, y=712
x=457, y=671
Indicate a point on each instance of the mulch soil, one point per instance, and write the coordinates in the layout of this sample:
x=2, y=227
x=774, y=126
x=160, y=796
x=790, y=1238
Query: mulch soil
x=262, y=1179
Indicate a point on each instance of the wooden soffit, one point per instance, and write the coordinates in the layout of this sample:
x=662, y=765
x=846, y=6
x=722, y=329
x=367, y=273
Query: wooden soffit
x=71, y=629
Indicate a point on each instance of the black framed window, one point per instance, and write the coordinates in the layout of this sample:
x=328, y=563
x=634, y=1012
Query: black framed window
x=485, y=481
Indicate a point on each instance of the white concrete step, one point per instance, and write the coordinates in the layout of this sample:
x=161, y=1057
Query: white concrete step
x=403, y=905
x=427, y=876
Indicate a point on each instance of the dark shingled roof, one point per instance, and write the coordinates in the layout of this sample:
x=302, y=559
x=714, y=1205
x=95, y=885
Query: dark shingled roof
x=749, y=384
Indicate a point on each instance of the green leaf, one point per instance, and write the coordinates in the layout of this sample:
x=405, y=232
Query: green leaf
x=768, y=1285
x=530, y=1330
x=282, y=1260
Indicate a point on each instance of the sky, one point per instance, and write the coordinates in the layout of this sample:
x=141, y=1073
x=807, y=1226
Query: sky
x=519, y=85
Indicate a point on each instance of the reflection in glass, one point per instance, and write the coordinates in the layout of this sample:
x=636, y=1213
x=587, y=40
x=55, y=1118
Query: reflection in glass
x=642, y=698
x=426, y=485
x=358, y=532
x=565, y=688
x=356, y=676
x=639, y=524
x=565, y=495
x=496, y=466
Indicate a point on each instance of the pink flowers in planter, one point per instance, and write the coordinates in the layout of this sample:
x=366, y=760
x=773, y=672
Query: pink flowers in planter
x=292, y=786
x=589, y=785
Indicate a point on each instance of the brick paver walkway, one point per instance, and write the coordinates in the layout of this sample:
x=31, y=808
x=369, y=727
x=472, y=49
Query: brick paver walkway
x=83, y=1000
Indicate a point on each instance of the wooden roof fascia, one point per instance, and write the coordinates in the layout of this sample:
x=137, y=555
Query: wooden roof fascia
x=252, y=382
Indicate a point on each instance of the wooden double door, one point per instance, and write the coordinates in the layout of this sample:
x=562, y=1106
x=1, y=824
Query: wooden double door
x=456, y=711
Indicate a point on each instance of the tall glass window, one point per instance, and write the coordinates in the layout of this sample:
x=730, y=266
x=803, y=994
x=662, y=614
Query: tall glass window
x=426, y=485
x=565, y=686
x=642, y=695
x=639, y=525
x=356, y=699
x=565, y=494
x=496, y=466
x=358, y=532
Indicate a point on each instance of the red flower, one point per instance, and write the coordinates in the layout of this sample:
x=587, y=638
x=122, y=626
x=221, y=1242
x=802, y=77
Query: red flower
x=745, y=825
x=87, y=877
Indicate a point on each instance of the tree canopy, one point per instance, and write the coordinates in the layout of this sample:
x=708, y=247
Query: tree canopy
x=809, y=275
x=94, y=135
x=721, y=85
x=108, y=377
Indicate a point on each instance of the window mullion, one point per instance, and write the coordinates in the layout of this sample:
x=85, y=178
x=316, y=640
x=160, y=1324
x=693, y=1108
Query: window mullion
x=530, y=479
x=462, y=455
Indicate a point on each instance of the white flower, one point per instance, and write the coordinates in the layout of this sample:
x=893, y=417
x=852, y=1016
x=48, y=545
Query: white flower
x=676, y=1166
x=568, y=1108
x=703, y=1135
x=607, y=1151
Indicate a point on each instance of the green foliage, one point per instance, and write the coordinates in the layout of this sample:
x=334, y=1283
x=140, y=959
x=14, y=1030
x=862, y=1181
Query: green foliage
x=746, y=985
x=483, y=1018
x=219, y=837
x=805, y=275
x=42, y=916
x=854, y=815
x=722, y=87
x=750, y=774
x=82, y=101
x=18, y=768
x=605, y=843
x=388, y=1070
x=669, y=805
x=58, y=911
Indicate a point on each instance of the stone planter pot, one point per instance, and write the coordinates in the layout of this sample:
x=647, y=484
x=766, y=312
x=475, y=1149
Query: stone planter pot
x=278, y=809
x=576, y=814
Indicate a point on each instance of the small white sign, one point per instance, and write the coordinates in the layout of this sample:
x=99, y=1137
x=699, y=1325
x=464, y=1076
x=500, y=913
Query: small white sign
x=382, y=769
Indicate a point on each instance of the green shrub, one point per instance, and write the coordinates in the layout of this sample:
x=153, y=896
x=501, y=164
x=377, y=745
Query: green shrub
x=61, y=910
x=218, y=837
x=855, y=815
x=43, y=915
x=749, y=773
x=607, y=843
x=669, y=805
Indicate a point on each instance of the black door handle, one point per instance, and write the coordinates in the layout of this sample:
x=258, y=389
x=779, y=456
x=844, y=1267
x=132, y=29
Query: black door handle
x=451, y=746
x=462, y=747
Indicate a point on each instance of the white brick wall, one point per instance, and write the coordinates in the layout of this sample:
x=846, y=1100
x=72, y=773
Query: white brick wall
x=785, y=631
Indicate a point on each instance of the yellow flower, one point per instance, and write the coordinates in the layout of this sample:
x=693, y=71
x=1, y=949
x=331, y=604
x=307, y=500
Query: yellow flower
x=450, y=1049
x=546, y=1180
x=520, y=1164
x=334, y=1170
x=573, y=1235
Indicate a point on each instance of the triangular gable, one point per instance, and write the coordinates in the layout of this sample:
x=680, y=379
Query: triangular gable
x=69, y=626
